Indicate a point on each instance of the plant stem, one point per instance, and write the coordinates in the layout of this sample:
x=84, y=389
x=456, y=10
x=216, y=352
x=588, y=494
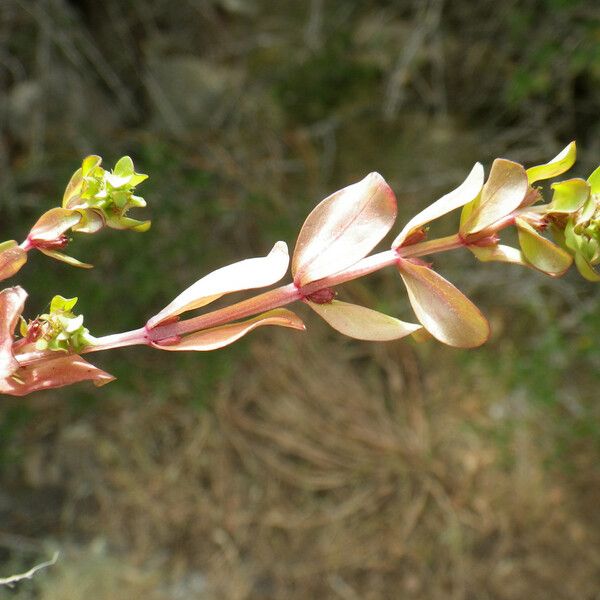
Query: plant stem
x=275, y=298
x=266, y=301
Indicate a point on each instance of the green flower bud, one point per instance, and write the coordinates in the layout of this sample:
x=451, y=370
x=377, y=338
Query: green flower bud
x=59, y=329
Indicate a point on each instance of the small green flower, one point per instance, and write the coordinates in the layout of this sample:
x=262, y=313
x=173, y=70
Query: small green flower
x=104, y=197
x=582, y=230
x=59, y=329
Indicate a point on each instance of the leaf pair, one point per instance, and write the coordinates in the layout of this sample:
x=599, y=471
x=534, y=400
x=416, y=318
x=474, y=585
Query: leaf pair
x=51, y=372
x=247, y=274
x=508, y=189
x=339, y=232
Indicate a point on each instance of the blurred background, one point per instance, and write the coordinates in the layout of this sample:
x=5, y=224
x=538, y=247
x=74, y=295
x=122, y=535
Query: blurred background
x=300, y=465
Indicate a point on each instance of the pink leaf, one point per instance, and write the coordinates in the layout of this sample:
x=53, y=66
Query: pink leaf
x=443, y=309
x=502, y=193
x=12, y=301
x=467, y=191
x=12, y=258
x=343, y=228
x=218, y=337
x=362, y=323
x=244, y=275
x=52, y=224
x=53, y=373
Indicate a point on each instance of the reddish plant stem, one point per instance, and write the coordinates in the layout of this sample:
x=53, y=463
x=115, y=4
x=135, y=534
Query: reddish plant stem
x=266, y=301
x=276, y=298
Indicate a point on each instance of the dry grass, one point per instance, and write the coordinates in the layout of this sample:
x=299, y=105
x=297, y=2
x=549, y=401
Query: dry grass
x=327, y=469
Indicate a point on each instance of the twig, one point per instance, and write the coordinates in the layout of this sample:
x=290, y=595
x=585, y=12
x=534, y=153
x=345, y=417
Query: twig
x=10, y=581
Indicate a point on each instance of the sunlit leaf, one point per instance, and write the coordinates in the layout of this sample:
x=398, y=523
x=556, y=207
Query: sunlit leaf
x=89, y=164
x=569, y=196
x=541, y=252
x=464, y=193
x=53, y=223
x=343, y=228
x=12, y=258
x=594, y=181
x=502, y=193
x=443, y=309
x=244, y=275
x=53, y=373
x=60, y=303
x=562, y=162
x=12, y=301
x=92, y=220
x=66, y=259
x=586, y=269
x=73, y=188
x=362, y=323
x=218, y=337
x=124, y=167
x=499, y=253
x=119, y=222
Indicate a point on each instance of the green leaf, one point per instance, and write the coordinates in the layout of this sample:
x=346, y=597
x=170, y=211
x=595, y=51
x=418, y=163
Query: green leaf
x=594, y=181
x=92, y=220
x=137, y=178
x=503, y=193
x=569, y=196
x=119, y=222
x=59, y=303
x=562, y=162
x=218, y=337
x=90, y=163
x=362, y=323
x=66, y=259
x=343, y=228
x=499, y=253
x=443, y=309
x=124, y=167
x=243, y=275
x=541, y=252
x=73, y=189
x=586, y=269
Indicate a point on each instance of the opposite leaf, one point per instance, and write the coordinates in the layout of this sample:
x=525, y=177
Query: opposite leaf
x=562, y=162
x=585, y=269
x=53, y=373
x=52, y=224
x=12, y=258
x=12, y=301
x=463, y=194
x=569, y=196
x=541, y=252
x=218, y=337
x=362, y=323
x=443, y=309
x=499, y=253
x=343, y=228
x=66, y=259
x=502, y=193
x=244, y=275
